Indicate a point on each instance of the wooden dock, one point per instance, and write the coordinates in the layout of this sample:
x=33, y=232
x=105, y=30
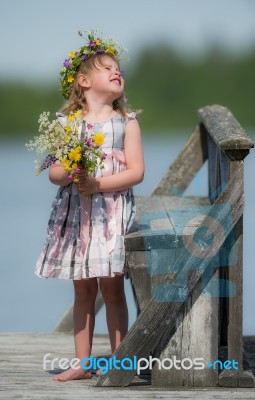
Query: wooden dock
x=22, y=375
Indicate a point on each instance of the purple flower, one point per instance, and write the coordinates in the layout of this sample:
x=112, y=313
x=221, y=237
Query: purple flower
x=100, y=51
x=84, y=57
x=67, y=63
x=89, y=142
x=91, y=44
x=47, y=162
x=89, y=126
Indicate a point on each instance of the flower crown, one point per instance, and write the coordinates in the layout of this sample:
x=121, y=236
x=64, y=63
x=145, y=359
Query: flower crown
x=95, y=45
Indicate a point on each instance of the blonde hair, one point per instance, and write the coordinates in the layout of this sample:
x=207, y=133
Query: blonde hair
x=77, y=99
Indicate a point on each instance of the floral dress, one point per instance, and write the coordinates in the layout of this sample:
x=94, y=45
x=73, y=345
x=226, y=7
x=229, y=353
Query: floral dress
x=85, y=234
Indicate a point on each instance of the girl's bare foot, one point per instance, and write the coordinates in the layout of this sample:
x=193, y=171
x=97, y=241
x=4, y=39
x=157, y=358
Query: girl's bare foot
x=71, y=374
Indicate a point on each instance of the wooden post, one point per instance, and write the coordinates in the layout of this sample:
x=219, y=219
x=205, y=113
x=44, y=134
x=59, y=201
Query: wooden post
x=229, y=136
x=237, y=378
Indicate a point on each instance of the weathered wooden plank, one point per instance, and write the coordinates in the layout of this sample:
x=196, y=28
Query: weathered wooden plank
x=218, y=176
x=226, y=131
x=218, y=169
x=157, y=203
x=185, y=167
x=157, y=213
x=213, y=169
x=194, y=335
x=147, y=331
x=235, y=326
x=224, y=169
x=140, y=277
x=235, y=305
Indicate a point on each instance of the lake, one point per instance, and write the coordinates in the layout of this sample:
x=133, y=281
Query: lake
x=31, y=304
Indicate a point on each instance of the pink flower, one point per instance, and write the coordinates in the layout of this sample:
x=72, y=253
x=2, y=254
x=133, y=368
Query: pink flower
x=90, y=126
x=89, y=142
x=77, y=170
x=70, y=177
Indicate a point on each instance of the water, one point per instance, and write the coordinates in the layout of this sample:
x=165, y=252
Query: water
x=31, y=304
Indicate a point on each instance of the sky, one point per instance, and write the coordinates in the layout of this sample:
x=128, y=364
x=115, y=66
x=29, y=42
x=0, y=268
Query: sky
x=36, y=35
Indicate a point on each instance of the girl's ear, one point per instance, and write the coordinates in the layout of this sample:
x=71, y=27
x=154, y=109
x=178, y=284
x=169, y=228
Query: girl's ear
x=84, y=81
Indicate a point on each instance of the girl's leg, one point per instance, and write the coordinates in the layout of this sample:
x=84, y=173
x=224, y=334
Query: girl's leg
x=85, y=292
x=112, y=290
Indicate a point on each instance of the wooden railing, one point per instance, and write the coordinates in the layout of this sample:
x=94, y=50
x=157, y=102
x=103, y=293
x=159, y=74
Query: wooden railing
x=170, y=273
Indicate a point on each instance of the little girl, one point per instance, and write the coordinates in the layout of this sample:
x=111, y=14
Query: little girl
x=89, y=219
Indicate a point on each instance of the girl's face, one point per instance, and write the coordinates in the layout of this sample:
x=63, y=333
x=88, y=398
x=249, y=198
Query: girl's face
x=105, y=78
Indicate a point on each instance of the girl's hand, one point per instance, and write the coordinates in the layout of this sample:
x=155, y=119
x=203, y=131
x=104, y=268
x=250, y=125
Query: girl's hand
x=87, y=184
x=58, y=175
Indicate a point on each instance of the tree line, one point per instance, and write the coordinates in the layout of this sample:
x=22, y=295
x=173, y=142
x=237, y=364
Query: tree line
x=167, y=87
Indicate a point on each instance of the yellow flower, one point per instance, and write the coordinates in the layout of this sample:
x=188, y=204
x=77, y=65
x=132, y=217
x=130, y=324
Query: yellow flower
x=77, y=113
x=111, y=50
x=68, y=129
x=65, y=164
x=70, y=78
x=98, y=138
x=97, y=41
x=66, y=139
x=70, y=117
x=72, y=54
x=75, y=154
x=75, y=165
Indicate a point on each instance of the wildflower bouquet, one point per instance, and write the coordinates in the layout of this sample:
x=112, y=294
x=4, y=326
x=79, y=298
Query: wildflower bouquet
x=59, y=143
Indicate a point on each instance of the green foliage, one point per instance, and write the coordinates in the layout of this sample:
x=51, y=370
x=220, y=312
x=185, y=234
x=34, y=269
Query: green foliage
x=169, y=89
x=22, y=105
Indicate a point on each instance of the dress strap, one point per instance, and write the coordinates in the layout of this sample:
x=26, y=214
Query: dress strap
x=130, y=116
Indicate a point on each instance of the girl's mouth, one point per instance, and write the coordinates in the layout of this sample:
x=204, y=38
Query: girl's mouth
x=116, y=80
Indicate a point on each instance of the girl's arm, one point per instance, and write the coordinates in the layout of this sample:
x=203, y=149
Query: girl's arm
x=58, y=176
x=122, y=180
